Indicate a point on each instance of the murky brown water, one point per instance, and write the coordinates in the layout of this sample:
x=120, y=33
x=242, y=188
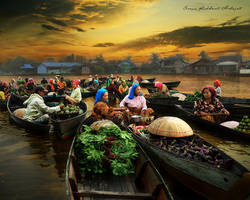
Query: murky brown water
x=33, y=166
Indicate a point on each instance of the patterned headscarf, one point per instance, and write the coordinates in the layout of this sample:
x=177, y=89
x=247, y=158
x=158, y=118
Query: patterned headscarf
x=217, y=82
x=99, y=95
x=51, y=81
x=211, y=89
x=76, y=82
x=132, y=91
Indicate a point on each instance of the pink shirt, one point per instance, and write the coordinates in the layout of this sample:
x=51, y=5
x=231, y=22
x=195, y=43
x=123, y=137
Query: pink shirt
x=137, y=102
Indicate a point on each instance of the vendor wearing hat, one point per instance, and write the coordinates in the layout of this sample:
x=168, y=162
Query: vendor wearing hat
x=37, y=110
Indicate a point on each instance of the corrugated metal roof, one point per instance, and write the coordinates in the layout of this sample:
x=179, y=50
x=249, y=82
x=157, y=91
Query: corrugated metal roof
x=27, y=66
x=60, y=64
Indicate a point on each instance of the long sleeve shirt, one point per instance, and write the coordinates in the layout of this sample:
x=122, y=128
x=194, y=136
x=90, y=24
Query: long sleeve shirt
x=36, y=108
x=76, y=94
x=137, y=102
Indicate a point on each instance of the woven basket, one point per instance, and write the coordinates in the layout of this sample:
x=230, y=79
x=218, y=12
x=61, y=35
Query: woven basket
x=170, y=127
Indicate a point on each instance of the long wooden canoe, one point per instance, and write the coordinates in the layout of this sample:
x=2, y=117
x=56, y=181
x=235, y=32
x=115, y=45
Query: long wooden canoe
x=218, y=129
x=170, y=85
x=66, y=128
x=3, y=105
x=146, y=183
x=16, y=102
x=205, y=179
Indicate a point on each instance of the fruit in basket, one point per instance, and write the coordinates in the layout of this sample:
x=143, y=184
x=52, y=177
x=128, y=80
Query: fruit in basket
x=244, y=125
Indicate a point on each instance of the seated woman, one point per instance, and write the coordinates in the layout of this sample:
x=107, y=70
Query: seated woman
x=51, y=87
x=209, y=104
x=123, y=88
x=76, y=95
x=161, y=88
x=30, y=88
x=101, y=109
x=135, y=103
x=111, y=88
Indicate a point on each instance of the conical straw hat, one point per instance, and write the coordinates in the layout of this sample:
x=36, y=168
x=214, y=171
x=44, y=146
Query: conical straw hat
x=170, y=127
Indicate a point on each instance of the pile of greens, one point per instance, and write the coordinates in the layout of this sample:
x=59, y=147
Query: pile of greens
x=107, y=148
x=68, y=111
x=194, y=97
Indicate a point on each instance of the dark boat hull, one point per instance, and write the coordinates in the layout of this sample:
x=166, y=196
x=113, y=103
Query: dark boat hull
x=88, y=94
x=66, y=128
x=208, y=181
x=147, y=183
x=170, y=85
x=219, y=130
x=3, y=105
x=15, y=102
x=151, y=80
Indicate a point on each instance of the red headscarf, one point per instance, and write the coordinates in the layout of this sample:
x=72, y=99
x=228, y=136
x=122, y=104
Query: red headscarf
x=5, y=83
x=211, y=89
x=31, y=80
x=76, y=82
x=158, y=84
x=217, y=82
x=51, y=81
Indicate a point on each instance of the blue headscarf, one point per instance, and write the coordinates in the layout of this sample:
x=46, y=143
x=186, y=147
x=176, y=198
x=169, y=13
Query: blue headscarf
x=99, y=95
x=132, y=91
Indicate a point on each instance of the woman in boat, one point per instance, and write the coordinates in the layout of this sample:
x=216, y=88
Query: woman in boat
x=76, y=95
x=51, y=87
x=135, y=103
x=161, y=88
x=217, y=84
x=61, y=86
x=112, y=88
x=102, y=110
x=139, y=78
x=123, y=88
x=209, y=104
x=36, y=110
x=30, y=88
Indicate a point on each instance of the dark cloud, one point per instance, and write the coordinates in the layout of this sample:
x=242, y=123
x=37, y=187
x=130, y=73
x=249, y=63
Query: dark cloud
x=79, y=16
x=192, y=37
x=107, y=44
x=235, y=51
x=92, y=28
x=79, y=29
x=51, y=28
x=58, y=22
x=230, y=22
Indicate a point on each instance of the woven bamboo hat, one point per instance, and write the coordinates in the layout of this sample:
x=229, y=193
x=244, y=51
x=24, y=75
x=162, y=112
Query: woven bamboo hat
x=170, y=127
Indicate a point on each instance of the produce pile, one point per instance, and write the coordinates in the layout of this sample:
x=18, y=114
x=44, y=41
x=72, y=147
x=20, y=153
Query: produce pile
x=192, y=147
x=108, y=148
x=84, y=90
x=194, y=97
x=68, y=111
x=244, y=125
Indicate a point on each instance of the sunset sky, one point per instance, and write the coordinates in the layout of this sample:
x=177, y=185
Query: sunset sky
x=39, y=29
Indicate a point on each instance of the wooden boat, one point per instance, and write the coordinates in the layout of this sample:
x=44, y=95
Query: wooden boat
x=219, y=130
x=170, y=85
x=205, y=179
x=88, y=94
x=66, y=128
x=3, y=105
x=151, y=80
x=16, y=102
x=146, y=183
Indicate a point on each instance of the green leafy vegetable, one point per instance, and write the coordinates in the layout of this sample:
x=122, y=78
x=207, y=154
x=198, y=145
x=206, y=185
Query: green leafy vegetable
x=109, y=147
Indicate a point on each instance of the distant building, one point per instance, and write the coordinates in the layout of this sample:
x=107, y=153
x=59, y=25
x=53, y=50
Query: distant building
x=58, y=67
x=85, y=70
x=27, y=69
x=202, y=66
x=227, y=67
x=173, y=65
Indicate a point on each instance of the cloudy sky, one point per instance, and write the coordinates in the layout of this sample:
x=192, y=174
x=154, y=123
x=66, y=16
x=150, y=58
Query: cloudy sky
x=38, y=29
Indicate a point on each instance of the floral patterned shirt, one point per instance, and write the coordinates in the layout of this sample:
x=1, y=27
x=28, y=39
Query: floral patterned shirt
x=213, y=107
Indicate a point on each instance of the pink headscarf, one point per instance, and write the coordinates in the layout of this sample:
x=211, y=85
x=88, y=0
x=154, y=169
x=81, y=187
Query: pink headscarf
x=51, y=81
x=4, y=83
x=158, y=84
x=31, y=80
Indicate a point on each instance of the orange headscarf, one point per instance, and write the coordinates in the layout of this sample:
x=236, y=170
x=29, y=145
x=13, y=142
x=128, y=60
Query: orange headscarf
x=217, y=82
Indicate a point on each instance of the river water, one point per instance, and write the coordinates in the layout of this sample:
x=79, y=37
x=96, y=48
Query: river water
x=33, y=166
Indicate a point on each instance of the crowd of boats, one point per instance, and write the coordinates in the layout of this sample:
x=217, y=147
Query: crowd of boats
x=209, y=180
